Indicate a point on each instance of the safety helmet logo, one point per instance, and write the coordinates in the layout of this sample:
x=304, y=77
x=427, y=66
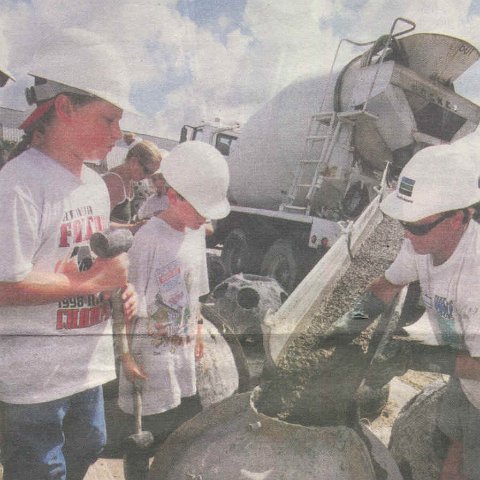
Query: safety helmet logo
x=406, y=186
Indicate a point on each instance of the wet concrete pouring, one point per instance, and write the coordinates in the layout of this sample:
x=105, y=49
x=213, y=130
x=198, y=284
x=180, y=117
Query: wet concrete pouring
x=314, y=385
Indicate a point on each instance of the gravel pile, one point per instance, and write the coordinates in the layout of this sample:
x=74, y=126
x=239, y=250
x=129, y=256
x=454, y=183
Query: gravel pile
x=314, y=385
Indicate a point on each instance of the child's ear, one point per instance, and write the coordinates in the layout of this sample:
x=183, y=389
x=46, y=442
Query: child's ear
x=64, y=107
x=172, y=196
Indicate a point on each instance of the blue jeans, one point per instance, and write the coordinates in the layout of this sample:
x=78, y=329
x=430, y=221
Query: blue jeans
x=53, y=440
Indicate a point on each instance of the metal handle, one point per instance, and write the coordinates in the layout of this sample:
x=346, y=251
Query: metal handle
x=137, y=407
x=406, y=20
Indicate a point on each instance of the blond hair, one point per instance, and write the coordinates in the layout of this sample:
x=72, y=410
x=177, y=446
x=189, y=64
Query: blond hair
x=145, y=151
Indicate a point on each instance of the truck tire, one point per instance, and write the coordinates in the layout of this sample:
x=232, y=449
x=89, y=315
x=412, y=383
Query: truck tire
x=216, y=270
x=235, y=252
x=281, y=262
x=355, y=200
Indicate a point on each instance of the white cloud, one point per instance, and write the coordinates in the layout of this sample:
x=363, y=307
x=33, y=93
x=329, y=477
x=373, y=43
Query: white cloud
x=202, y=72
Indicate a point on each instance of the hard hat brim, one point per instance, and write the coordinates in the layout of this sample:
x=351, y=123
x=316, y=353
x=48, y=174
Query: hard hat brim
x=7, y=74
x=214, y=212
x=401, y=209
x=123, y=104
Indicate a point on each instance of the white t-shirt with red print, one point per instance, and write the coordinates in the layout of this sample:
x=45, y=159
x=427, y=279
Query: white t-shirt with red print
x=48, y=216
x=169, y=271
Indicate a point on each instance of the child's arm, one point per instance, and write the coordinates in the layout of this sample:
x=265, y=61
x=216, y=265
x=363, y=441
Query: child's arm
x=131, y=370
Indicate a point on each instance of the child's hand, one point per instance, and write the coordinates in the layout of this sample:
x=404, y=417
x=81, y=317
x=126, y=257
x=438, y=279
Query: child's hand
x=199, y=347
x=130, y=302
x=132, y=371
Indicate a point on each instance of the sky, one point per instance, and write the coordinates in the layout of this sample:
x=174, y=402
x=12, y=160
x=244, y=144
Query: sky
x=194, y=60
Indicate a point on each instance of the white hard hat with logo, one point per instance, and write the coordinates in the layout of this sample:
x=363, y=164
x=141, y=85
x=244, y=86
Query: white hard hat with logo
x=437, y=179
x=81, y=62
x=199, y=173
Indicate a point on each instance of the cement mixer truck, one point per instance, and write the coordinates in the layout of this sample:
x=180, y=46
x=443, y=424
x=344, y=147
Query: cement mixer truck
x=313, y=157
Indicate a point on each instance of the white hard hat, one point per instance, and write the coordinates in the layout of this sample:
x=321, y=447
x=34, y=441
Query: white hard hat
x=5, y=75
x=199, y=173
x=163, y=154
x=472, y=139
x=437, y=179
x=79, y=61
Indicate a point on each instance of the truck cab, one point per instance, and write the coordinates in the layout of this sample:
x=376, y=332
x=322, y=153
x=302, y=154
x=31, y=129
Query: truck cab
x=221, y=135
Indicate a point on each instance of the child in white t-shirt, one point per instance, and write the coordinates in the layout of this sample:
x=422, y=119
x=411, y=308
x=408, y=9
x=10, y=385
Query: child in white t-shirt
x=56, y=330
x=168, y=270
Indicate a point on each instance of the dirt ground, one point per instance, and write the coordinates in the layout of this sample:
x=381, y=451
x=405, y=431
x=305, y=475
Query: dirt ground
x=402, y=389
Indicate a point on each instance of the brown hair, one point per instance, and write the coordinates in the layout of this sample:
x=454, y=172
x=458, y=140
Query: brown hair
x=145, y=151
x=41, y=125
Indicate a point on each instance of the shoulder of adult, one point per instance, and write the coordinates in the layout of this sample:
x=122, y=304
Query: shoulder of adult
x=115, y=186
x=112, y=176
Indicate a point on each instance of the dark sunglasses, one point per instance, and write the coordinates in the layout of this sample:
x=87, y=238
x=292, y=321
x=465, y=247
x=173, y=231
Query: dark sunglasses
x=419, y=230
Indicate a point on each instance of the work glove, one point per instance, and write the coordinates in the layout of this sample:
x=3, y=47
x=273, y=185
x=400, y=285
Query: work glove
x=365, y=310
x=398, y=356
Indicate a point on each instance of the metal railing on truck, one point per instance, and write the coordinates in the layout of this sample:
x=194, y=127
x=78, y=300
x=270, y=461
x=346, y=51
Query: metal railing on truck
x=324, y=128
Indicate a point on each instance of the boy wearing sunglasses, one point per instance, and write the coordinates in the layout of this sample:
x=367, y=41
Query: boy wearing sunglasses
x=434, y=202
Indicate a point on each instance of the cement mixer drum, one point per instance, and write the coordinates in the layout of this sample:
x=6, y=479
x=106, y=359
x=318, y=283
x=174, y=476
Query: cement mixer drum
x=390, y=108
x=231, y=441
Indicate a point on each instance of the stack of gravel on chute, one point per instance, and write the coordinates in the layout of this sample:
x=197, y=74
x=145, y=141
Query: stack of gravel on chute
x=315, y=385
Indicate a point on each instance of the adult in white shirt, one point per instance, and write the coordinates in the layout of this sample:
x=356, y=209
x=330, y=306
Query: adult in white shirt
x=434, y=201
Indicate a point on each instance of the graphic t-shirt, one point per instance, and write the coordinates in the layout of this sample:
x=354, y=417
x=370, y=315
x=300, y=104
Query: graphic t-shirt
x=450, y=295
x=54, y=350
x=169, y=272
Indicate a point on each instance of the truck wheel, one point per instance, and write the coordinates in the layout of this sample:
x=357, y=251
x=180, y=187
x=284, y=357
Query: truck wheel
x=216, y=270
x=281, y=263
x=355, y=200
x=235, y=252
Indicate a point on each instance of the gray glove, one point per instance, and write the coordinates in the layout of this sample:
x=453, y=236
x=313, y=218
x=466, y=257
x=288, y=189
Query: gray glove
x=365, y=310
x=398, y=356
